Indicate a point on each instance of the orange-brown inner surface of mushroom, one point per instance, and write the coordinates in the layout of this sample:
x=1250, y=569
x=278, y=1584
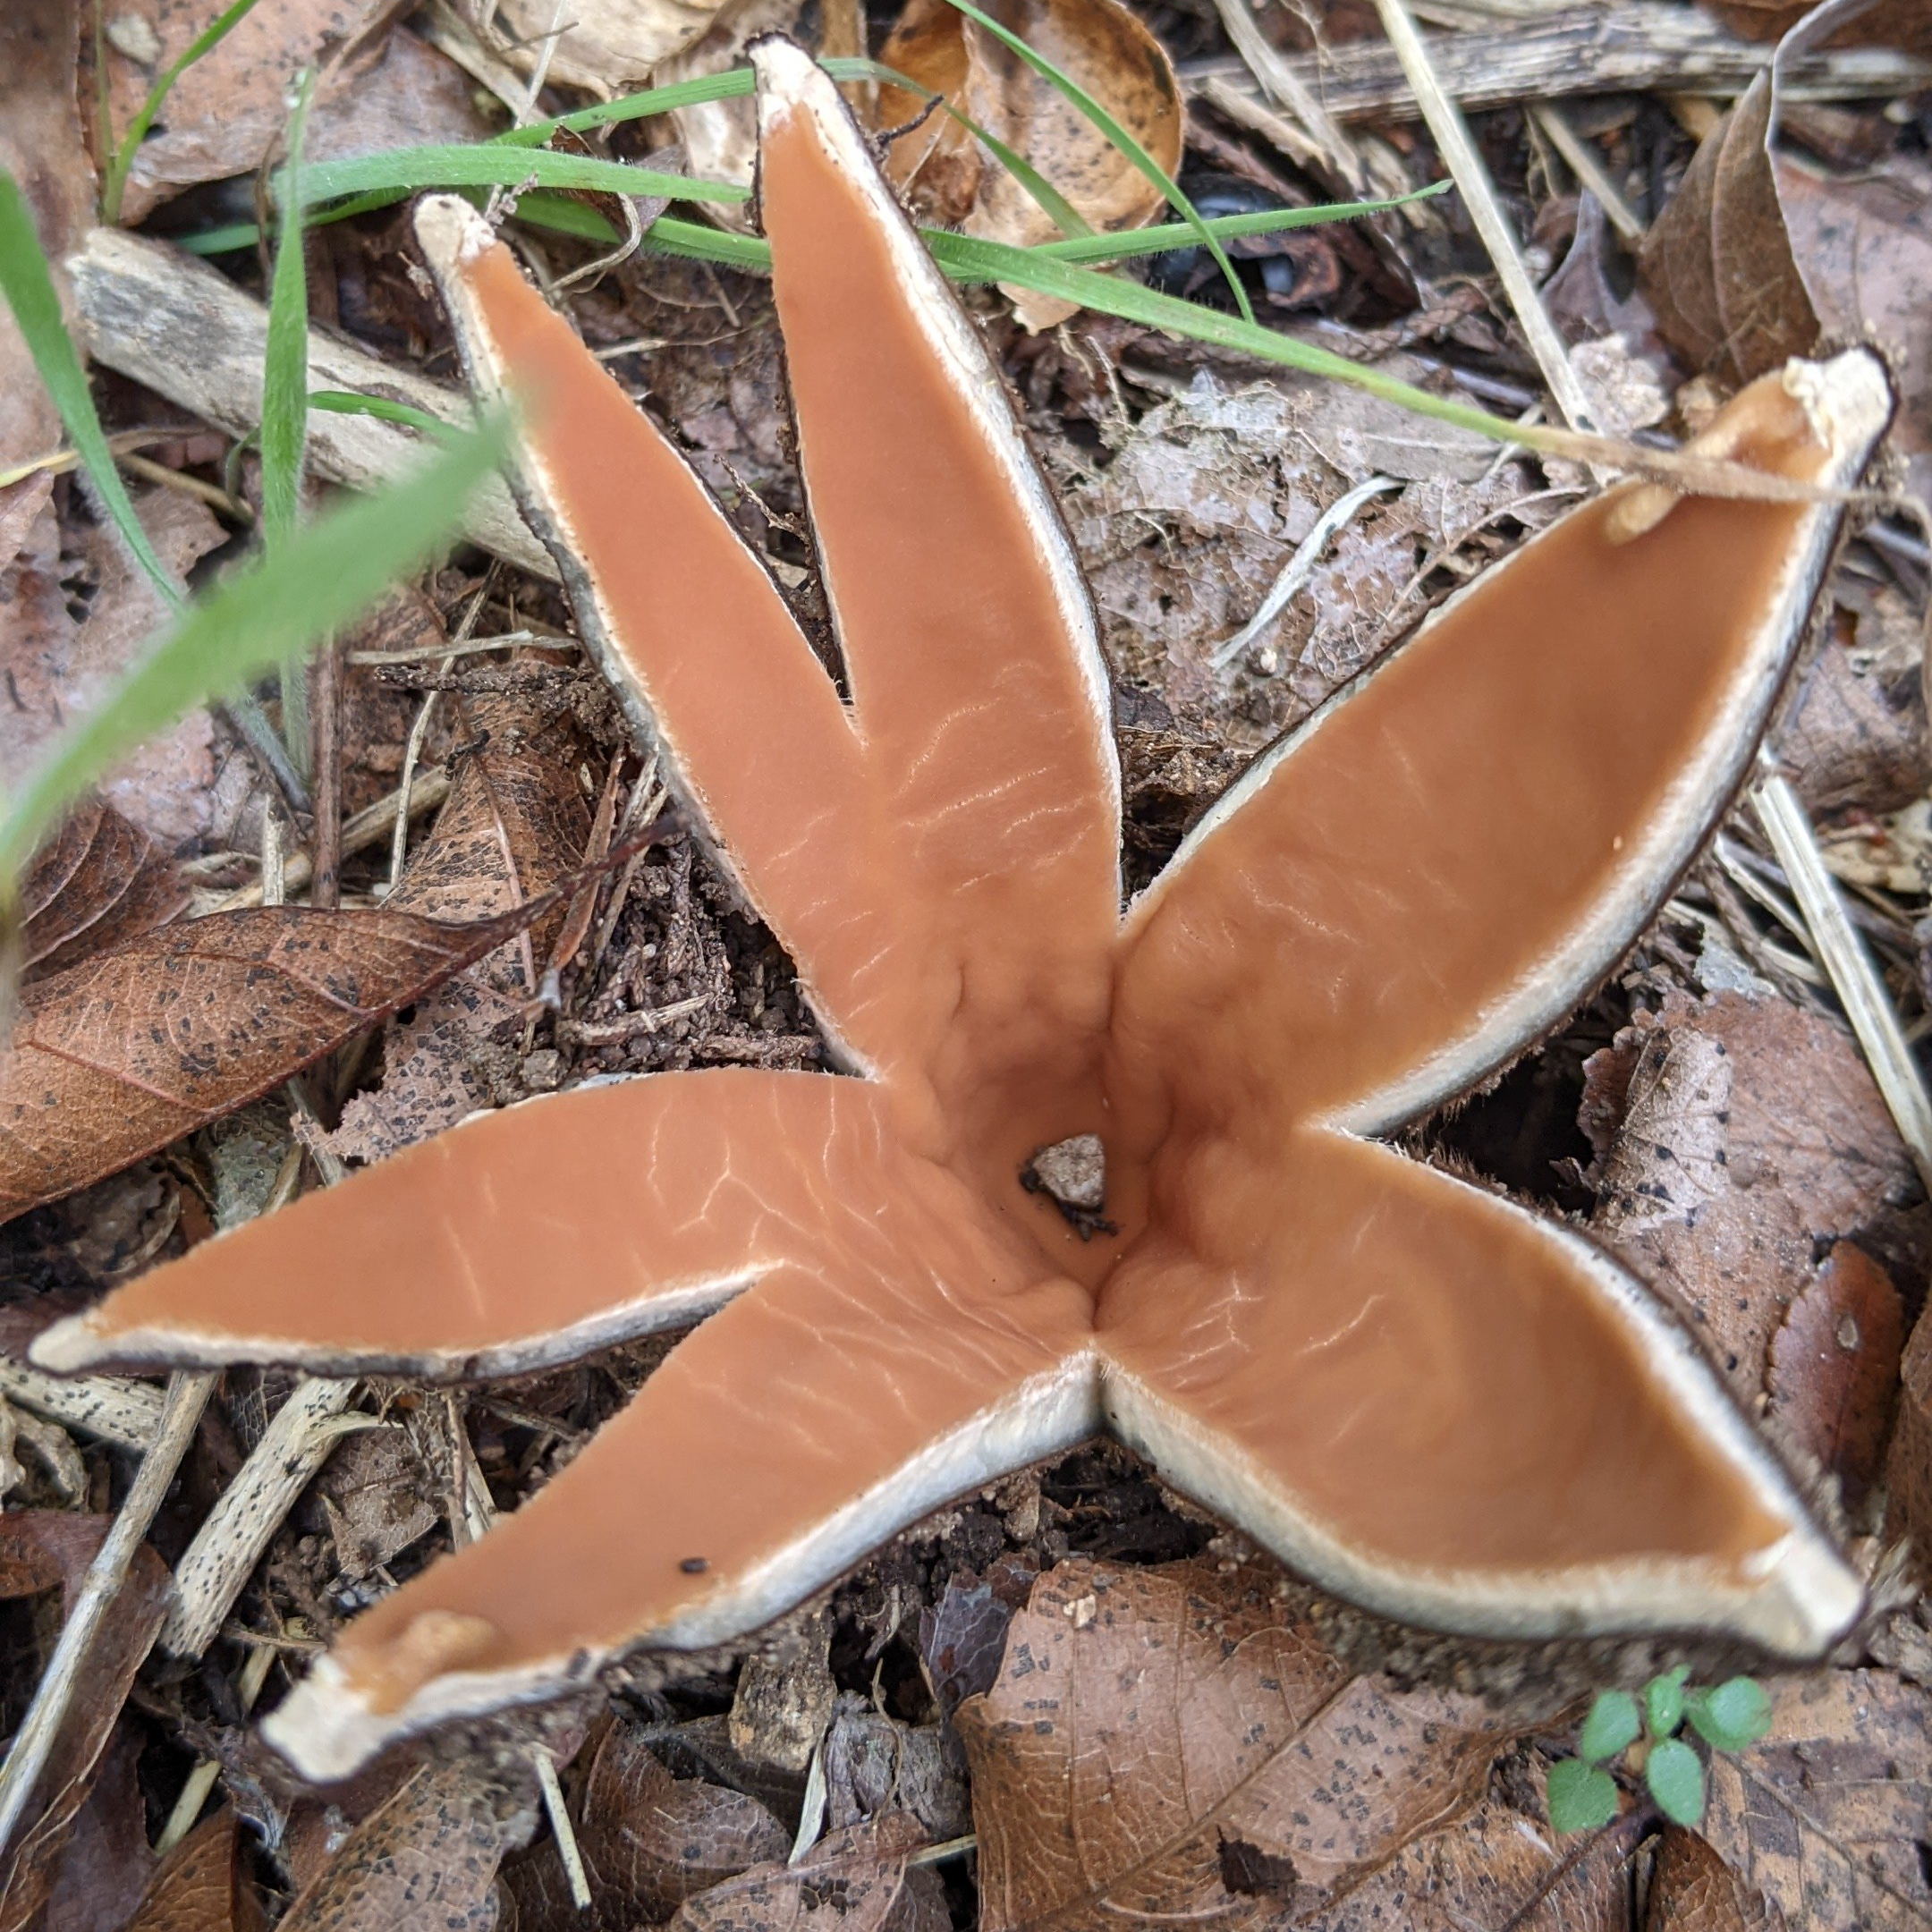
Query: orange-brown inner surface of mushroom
x=1343, y=1317
x=1354, y=1318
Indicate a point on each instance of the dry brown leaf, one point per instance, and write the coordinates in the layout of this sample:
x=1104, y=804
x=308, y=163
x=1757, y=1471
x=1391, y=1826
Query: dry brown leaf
x=648, y=1842
x=1835, y=1367
x=41, y=1551
x=379, y=1496
x=1828, y=1815
x=1760, y=256
x=426, y=1861
x=854, y=1880
x=1735, y=1134
x=1693, y=1890
x=605, y=45
x=53, y=667
x=95, y=882
x=130, y=1050
x=1162, y=1745
x=720, y=137
x=377, y=87
x=514, y=823
x=41, y=147
x=1497, y=1868
x=104, y=1862
x=874, y=1763
x=202, y=1884
x=1854, y=738
x=1895, y=23
x=1909, y=1465
x=1100, y=45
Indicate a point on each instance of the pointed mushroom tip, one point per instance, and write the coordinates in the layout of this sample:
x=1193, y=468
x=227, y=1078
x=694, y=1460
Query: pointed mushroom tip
x=1808, y=1601
x=450, y=232
x=69, y=1346
x=1849, y=398
x=788, y=76
x=325, y=1727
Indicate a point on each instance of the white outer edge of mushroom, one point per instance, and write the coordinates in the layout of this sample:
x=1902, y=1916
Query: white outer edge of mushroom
x=327, y=1727
x=1848, y=403
x=791, y=82
x=1800, y=1600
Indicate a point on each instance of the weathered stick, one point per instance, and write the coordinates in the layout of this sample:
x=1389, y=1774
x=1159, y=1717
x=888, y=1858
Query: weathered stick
x=232, y=1538
x=1634, y=46
x=186, y=1396
x=159, y=316
x=116, y=1407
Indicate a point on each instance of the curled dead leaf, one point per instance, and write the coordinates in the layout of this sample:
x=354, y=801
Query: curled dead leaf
x=604, y=45
x=202, y=1884
x=1760, y=256
x=426, y=1861
x=648, y=1843
x=95, y=882
x=1145, y=1721
x=951, y=178
x=42, y=1551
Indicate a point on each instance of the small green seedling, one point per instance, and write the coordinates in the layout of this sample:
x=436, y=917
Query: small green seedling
x=1581, y=1794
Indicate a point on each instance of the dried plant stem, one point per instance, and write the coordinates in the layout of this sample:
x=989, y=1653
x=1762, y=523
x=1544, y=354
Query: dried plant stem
x=1283, y=85
x=231, y=1540
x=114, y=1408
x=106, y=1576
x=369, y=827
x=561, y=1829
x=1300, y=566
x=1845, y=958
x=1446, y=122
x=202, y=1779
x=1582, y=160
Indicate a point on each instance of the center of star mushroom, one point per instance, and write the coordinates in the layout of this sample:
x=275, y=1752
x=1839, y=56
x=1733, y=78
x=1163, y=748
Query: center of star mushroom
x=1072, y=1174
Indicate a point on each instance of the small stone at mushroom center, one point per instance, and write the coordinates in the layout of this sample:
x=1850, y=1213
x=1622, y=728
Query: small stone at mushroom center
x=1072, y=1171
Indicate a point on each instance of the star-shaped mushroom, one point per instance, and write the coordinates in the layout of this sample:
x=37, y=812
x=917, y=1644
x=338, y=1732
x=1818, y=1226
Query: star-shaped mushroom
x=1439, y=1405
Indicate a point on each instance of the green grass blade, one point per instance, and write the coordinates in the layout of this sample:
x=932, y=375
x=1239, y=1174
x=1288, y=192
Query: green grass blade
x=1136, y=241
x=324, y=577
x=29, y=289
x=346, y=403
x=492, y=164
x=114, y=184
x=284, y=406
x=1170, y=189
x=970, y=260
x=285, y=412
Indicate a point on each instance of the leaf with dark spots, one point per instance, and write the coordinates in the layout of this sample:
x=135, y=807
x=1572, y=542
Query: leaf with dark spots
x=97, y=881
x=202, y=1884
x=855, y=1880
x=1828, y=1815
x=648, y=1842
x=963, y=1638
x=129, y=1051
x=1835, y=1367
x=47, y=1550
x=426, y=1861
x=1147, y=1719
x=1735, y=1134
